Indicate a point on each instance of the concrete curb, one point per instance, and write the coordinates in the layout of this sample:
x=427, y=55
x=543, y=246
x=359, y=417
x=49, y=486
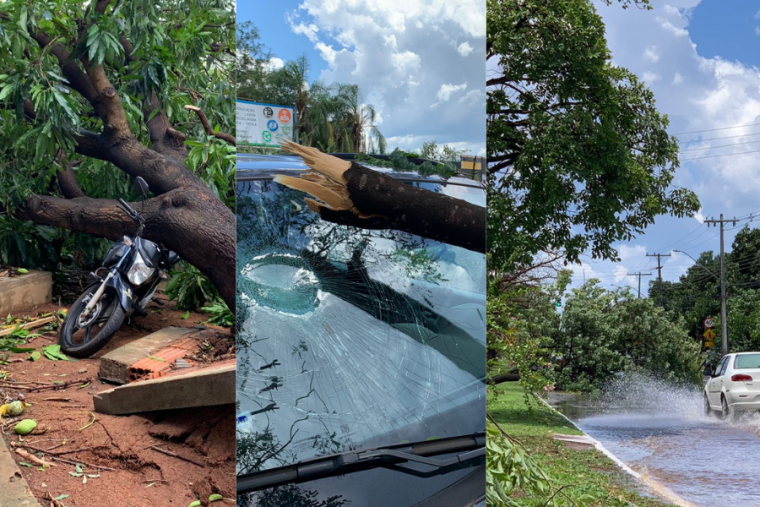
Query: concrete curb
x=657, y=487
x=14, y=490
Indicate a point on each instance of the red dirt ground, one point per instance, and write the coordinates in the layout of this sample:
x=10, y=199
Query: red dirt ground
x=143, y=477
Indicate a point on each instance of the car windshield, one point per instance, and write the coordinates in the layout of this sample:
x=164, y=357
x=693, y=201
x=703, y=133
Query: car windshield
x=351, y=338
x=747, y=361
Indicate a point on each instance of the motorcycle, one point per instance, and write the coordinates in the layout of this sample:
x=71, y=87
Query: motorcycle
x=134, y=266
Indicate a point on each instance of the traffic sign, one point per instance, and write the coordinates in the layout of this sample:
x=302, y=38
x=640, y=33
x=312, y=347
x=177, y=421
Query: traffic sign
x=709, y=322
x=709, y=335
x=709, y=345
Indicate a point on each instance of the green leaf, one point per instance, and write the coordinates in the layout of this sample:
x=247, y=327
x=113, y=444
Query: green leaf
x=35, y=355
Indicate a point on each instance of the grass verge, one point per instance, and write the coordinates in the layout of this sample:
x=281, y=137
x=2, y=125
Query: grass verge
x=587, y=477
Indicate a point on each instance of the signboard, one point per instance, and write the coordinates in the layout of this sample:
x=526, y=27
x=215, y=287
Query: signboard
x=709, y=322
x=709, y=335
x=263, y=124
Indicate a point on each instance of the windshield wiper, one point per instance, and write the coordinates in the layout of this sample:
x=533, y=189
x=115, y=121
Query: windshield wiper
x=470, y=448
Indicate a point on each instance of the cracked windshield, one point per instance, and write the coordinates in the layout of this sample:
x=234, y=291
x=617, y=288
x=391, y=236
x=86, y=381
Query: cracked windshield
x=352, y=338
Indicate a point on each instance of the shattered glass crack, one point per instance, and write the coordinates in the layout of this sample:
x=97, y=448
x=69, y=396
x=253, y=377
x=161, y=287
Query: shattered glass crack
x=350, y=338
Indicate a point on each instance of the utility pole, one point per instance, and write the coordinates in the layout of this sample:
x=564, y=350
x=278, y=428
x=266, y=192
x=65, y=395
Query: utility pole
x=723, y=323
x=659, y=272
x=639, y=275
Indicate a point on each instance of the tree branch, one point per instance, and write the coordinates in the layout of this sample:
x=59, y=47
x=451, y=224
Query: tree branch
x=183, y=219
x=207, y=126
x=164, y=139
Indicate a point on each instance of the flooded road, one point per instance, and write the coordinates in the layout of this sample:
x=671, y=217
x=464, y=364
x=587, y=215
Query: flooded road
x=660, y=432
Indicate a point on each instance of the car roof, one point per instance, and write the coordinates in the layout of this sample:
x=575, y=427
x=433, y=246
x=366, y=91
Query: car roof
x=266, y=166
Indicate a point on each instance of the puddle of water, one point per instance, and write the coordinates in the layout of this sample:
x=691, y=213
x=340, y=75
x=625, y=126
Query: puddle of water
x=660, y=431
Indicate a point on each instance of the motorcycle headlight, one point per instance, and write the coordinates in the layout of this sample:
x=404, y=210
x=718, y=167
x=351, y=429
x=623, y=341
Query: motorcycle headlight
x=139, y=272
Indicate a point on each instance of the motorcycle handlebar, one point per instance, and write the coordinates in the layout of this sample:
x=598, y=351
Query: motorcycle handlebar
x=132, y=213
x=126, y=206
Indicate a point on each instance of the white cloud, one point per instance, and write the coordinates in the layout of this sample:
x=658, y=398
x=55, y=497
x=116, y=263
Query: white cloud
x=757, y=31
x=628, y=253
x=310, y=31
x=398, y=53
x=472, y=98
x=273, y=64
x=704, y=93
x=670, y=27
x=621, y=274
x=447, y=90
x=650, y=77
x=651, y=54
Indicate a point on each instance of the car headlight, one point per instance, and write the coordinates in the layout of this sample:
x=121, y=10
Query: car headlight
x=139, y=272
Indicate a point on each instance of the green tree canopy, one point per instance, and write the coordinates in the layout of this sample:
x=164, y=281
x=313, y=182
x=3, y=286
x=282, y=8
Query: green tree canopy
x=605, y=332
x=579, y=156
x=93, y=94
x=333, y=118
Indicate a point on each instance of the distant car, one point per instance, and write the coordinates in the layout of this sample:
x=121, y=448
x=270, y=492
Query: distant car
x=734, y=385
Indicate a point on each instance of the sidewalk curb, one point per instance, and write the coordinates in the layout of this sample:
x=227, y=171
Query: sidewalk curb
x=14, y=490
x=657, y=487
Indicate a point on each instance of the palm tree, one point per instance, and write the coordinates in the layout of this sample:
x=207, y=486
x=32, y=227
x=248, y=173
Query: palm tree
x=356, y=122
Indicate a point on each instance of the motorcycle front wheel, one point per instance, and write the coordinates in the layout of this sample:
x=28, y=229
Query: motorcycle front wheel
x=82, y=337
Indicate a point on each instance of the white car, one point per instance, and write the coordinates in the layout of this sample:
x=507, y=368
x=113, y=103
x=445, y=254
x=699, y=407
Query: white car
x=734, y=385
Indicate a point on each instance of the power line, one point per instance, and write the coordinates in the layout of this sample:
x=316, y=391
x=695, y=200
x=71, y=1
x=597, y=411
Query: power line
x=723, y=324
x=724, y=155
x=717, y=138
x=659, y=270
x=639, y=275
x=716, y=147
x=714, y=130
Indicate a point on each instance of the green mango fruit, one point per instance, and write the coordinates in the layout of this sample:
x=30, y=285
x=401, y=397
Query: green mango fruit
x=15, y=408
x=25, y=427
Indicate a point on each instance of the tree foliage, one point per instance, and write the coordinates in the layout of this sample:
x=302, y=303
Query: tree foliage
x=92, y=95
x=333, y=118
x=579, y=156
x=604, y=333
x=523, y=324
x=696, y=295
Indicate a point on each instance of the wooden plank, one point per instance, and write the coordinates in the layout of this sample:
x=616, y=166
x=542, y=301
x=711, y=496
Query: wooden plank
x=29, y=325
x=200, y=387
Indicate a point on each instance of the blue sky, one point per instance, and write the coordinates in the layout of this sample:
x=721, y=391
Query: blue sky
x=420, y=63
x=700, y=58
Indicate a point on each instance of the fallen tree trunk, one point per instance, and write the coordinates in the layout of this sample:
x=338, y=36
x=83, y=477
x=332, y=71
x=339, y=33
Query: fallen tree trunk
x=185, y=215
x=354, y=195
x=504, y=377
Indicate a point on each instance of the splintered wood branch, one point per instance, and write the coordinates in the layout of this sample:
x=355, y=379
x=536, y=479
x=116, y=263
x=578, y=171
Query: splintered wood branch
x=354, y=195
x=330, y=167
x=207, y=126
x=31, y=457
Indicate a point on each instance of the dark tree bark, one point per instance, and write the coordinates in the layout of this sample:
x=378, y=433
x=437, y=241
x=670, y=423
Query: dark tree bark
x=352, y=194
x=184, y=215
x=410, y=209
